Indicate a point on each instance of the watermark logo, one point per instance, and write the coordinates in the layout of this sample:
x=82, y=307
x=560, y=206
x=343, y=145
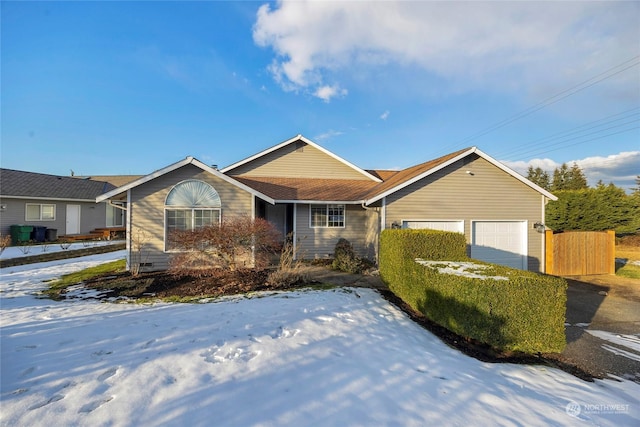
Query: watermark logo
x=574, y=409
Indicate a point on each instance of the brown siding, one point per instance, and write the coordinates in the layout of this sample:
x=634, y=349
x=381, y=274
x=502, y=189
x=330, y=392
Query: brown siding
x=486, y=193
x=292, y=161
x=361, y=229
x=147, y=208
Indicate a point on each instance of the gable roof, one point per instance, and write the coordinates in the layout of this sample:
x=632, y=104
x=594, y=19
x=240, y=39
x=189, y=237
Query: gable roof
x=310, y=190
x=115, y=180
x=382, y=173
x=415, y=173
x=31, y=185
x=306, y=141
x=188, y=160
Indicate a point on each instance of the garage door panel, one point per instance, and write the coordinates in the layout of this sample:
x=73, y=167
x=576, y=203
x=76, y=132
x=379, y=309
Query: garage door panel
x=500, y=242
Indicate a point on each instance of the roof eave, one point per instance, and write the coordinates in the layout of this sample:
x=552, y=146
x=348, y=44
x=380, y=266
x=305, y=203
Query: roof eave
x=419, y=177
x=56, y=199
x=177, y=165
x=515, y=174
x=300, y=137
x=462, y=155
x=324, y=202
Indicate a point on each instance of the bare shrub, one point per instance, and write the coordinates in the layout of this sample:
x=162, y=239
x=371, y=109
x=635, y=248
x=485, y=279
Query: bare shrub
x=234, y=243
x=24, y=247
x=290, y=269
x=138, y=253
x=5, y=242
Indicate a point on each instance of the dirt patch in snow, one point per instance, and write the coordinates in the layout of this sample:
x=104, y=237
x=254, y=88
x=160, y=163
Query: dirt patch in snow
x=165, y=285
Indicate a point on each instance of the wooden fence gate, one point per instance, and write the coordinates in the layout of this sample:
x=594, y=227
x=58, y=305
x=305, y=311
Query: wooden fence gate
x=579, y=253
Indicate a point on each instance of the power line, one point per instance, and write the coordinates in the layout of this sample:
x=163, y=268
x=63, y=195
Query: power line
x=588, y=140
x=613, y=71
x=519, y=151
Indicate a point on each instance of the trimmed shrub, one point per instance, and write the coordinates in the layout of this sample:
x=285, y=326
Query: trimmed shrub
x=345, y=258
x=398, y=246
x=508, y=309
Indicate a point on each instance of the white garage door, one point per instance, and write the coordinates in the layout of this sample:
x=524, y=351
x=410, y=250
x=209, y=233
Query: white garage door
x=500, y=242
x=456, y=226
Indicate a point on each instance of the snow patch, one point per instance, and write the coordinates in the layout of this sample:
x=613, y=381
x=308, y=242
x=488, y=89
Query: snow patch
x=333, y=357
x=630, y=342
x=460, y=268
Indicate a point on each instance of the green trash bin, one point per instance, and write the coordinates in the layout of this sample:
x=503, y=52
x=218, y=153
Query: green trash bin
x=20, y=233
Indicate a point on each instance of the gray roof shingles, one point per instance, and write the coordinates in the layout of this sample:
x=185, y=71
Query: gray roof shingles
x=14, y=183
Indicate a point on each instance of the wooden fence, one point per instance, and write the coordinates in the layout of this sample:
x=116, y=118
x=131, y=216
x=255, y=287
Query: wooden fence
x=578, y=253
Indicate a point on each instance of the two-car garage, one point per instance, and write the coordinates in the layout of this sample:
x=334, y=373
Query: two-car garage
x=499, y=242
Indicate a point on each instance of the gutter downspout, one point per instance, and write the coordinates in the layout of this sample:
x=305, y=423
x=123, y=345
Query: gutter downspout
x=295, y=231
x=128, y=230
x=381, y=221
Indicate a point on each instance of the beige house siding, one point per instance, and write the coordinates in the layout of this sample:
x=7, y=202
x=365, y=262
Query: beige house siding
x=361, y=229
x=147, y=209
x=298, y=160
x=472, y=189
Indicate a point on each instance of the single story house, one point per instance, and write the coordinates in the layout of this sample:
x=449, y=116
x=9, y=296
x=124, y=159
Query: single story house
x=62, y=203
x=318, y=198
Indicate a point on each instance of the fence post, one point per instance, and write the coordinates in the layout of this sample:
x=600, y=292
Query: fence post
x=611, y=251
x=548, y=249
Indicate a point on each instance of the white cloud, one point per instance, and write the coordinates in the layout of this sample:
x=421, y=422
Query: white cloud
x=617, y=168
x=546, y=46
x=327, y=92
x=327, y=135
x=385, y=115
x=621, y=168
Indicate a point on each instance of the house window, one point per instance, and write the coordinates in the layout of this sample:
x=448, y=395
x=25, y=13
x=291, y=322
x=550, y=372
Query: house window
x=40, y=212
x=115, y=215
x=190, y=219
x=327, y=216
x=189, y=205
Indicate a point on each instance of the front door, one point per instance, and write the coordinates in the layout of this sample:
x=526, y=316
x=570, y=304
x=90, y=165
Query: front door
x=73, y=219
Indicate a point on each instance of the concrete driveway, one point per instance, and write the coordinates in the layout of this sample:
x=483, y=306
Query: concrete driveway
x=603, y=326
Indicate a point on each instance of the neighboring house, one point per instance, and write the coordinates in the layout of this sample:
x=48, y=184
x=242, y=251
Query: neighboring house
x=63, y=203
x=317, y=197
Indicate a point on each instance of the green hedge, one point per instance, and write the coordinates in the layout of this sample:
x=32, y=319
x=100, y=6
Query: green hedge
x=525, y=313
x=400, y=245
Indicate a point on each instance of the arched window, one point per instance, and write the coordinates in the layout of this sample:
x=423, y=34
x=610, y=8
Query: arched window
x=193, y=193
x=191, y=204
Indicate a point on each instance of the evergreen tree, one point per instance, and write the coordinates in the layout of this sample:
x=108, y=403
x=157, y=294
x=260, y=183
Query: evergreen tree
x=560, y=177
x=538, y=177
x=605, y=207
x=636, y=190
x=576, y=178
x=568, y=179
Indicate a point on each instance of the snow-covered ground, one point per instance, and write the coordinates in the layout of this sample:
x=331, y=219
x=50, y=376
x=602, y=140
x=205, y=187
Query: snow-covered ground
x=337, y=357
x=30, y=250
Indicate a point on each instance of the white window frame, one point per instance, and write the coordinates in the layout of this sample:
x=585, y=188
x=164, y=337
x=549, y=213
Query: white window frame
x=327, y=207
x=192, y=195
x=115, y=213
x=40, y=210
x=191, y=226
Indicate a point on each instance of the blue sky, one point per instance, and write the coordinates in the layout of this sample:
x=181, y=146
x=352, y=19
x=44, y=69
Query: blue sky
x=106, y=88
